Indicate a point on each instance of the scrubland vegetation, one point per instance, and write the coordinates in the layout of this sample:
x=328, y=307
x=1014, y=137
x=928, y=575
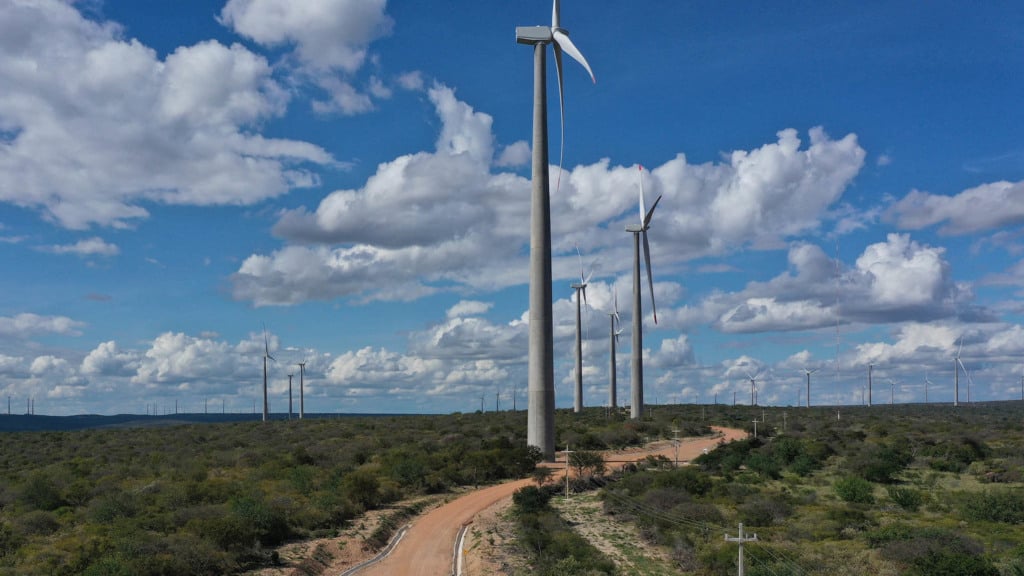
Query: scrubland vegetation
x=214, y=499
x=884, y=490
x=217, y=498
x=917, y=490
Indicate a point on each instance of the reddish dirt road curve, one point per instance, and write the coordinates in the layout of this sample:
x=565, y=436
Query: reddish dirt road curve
x=428, y=547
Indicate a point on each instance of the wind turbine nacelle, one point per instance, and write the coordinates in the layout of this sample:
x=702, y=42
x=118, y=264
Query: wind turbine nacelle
x=533, y=34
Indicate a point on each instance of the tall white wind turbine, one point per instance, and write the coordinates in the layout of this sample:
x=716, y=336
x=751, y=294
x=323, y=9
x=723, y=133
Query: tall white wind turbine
x=302, y=394
x=581, y=290
x=290, y=376
x=266, y=356
x=808, y=373
x=753, y=387
x=613, y=338
x=927, y=383
x=636, y=409
x=541, y=374
x=957, y=364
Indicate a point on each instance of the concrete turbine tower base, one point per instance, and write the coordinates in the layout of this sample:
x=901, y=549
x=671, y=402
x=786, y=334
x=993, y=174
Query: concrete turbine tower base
x=540, y=431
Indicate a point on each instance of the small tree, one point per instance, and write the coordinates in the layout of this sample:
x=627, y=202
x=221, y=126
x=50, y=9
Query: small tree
x=530, y=500
x=586, y=463
x=855, y=489
x=541, y=475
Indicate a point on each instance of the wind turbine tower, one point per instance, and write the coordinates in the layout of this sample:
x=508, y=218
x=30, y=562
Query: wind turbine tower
x=808, y=373
x=290, y=396
x=753, y=388
x=266, y=356
x=613, y=339
x=637, y=404
x=581, y=289
x=541, y=373
x=957, y=364
x=302, y=394
x=870, y=367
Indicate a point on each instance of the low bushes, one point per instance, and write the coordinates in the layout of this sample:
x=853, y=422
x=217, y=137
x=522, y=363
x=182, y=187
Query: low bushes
x=855, y=490
x=555, y=549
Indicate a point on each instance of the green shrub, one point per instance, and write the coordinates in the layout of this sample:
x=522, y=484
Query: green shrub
x=1006, y=505
x=9, y=540
x=765, y=465
x=530, y=500
x=907, y=498
x=764, y=511
x=854, y=489
x=880, y=464
x=692, y=480
x=38, y=523
x=945, y=563
x=268, y=522
x=40, y=492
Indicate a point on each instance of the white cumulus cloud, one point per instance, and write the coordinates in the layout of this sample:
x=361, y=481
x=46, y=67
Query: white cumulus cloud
x=94, y=246
x=103, y=126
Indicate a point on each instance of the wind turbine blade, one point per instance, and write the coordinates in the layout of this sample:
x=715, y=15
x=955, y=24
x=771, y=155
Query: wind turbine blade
x=643, y=207
x=587, y=310
x=555, y=14
x=650, y=213
x=561, y=40
x=561, y=112
x=650, y=277
x=580, y=255
x=960, y=349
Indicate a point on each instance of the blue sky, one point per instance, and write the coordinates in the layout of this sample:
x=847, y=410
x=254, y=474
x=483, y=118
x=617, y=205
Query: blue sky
x=843, y=184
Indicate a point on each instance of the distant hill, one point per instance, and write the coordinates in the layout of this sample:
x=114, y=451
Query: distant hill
x=39, y=423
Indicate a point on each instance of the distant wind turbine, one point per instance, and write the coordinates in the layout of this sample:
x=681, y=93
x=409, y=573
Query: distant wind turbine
x=637, y=404
x=957, y=365
x=540, y=428
x=753, y=387
x=870, y=368
x=302, y=395
x=616, y=329
x=266, y=356
x=808, y=373
x=581, y=289
x=290, y=376
x=927, y=383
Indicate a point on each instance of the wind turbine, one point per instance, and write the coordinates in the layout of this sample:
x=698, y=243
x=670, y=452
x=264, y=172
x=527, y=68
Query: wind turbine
x=957, y=364
x=290, y=376
x=613, y=340
x=302, y=396
x=808, y=373
x=637, y=405
x=266, y=355
x=870, y=368
x=927, y=383
x=753, y=389
x=581, y=289
x=540, y=427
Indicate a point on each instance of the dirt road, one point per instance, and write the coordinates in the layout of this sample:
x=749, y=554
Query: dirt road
x=428, y=548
